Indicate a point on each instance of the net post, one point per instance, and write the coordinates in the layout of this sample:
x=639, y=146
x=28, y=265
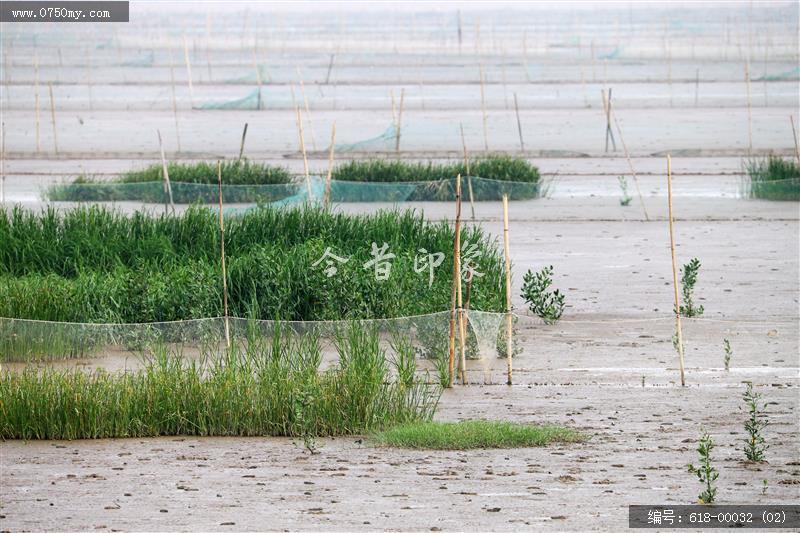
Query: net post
x=303, y=150
x=165, y=176
x=327, y=200
x=509, y=318
x=241, y=146
x=462, y=361
x=222, y=256
x=53, y=117
x=675, y=271
x=469, y=176
x=456, y=277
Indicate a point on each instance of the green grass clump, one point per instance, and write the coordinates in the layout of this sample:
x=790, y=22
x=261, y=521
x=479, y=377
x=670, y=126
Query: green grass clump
x=471, y=434
x=495, y=175
x=258, y=388
x=244, y=181
x=93, y=264
x=774, y=178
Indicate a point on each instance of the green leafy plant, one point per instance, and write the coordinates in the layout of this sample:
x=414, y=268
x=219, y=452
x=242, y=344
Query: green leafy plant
x=755, y=446
x=623, y=185
x=726, y=345
x=706, y=473
x=542, y=302
x=689, y=273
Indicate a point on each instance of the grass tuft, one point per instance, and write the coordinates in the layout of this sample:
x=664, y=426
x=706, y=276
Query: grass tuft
x=470, y=434
x=774, y=178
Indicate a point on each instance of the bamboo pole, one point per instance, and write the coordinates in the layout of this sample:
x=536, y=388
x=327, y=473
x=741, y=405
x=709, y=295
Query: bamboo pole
x=258, y=78
x=483, y=111
x=330, y=67
x=462, y=362
x=749, y=109
x=188, y=69
x=509, y=317
x=165, y=176
x=456, y=276
x=696, y=85
x=241, y=146
x=3, y=163
x=308, y=112
x=174, y=100
x=675, y=271
x=399, y=121
x=303, y=150
x=327, y=202
x=630, y=164
x=607, y=109
x=469, y=175
x=36, y=98
x=394, y=110
x=519, y=125
x=222, y=255
x=794, y=134
x=53, y=117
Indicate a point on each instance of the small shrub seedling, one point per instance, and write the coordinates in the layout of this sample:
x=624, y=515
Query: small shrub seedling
x=754, y=445
x=726, y=345
x=623, y=185
x=706, y=473
x=543, y=303
x=689, y=273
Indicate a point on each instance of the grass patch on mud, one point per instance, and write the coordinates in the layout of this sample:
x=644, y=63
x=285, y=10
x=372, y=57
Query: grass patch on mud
x=472, y=434
x=774, y=178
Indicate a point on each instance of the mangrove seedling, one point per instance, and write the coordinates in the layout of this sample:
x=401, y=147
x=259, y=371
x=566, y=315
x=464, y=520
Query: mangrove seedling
x=754, y=445
x=623, y=185
x=689, y=273
x=726, y=345
x=543, y=303
x=706, y=473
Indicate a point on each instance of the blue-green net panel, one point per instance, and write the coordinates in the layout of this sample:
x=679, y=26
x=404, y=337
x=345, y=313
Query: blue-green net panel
x=251, y=76
x=789, y=75
x=252, y=101
x=384, y=142
x=482, y=189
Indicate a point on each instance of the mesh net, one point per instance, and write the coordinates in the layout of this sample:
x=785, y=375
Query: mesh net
x=383, y=142
x=251, y=101
x=481, y=189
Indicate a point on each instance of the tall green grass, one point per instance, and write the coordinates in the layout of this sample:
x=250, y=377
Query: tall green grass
x=259, y=387
x=191, y=182
x=774, y=178
x=93, y=264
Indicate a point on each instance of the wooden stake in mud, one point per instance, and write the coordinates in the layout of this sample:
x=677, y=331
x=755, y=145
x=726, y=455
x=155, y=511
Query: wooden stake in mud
x=607, y=109
x=241, y=146
x=327, y=201
x=188, y=69
x=36, y=98
x=303, y=150
x=675, y=271
x=222, y=255
x=330, y=67
x=462, y=361
x=519, y=125
x=399, y=121
x=483, y=111
x=509, y=317
x=749, y=109
x=794, y=134
x=53, y=117
x=308, y=112
x=469, y=175
x=456, y=277
x=630, y=164
x=165, y=176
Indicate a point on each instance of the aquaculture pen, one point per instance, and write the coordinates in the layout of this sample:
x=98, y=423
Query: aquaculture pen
x=222, y=255
x=675, y=270
x=509, y=318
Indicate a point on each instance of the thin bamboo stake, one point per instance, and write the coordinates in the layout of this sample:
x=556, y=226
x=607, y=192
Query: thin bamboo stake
x=303, y=149
x=607, y=109
x=630, y=164
x=327, y=201
x=456, y=276
x=469, y=175
x=308, y=112
x=462, y=362
x=241, y=146
x=258, y=78
x=749, y=109
x=174, y=100
x=483, y=111
x=53, y=117
x=165, y=176
x=509, y=317
x=696, y=85
x=330, y=67
x=399, y=121
x=188, y=69
x=675, y=271
x=36, y=98
x=794, y=134
x=519, y=125
x=222, y=255
x=3, y=163
x=394, y=111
